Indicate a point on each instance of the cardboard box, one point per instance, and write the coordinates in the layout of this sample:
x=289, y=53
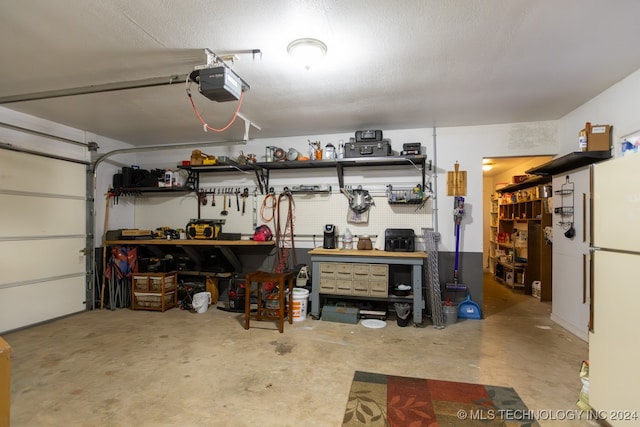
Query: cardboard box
x=517, y=179
x=5, y=383
x=599, y=139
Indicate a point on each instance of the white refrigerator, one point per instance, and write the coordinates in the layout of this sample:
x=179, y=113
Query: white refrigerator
x=614, y=287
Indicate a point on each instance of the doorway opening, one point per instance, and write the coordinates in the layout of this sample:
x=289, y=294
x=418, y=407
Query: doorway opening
x=498, y=172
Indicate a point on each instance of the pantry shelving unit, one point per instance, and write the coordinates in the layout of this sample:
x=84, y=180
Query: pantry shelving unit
x=522, y=254
x=493, y=232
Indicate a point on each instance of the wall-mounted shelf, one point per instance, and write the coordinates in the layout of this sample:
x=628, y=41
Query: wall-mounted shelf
x=194, y=172
x=141, y=191
x=528, y=183
x=569, y=162
x=418, y=161
x=262, y=169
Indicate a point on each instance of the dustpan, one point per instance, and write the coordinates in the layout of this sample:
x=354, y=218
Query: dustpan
x=468, y=309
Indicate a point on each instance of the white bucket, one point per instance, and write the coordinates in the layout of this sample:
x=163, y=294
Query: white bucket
x=450, y=313
x=201, y=301
x=300, y=302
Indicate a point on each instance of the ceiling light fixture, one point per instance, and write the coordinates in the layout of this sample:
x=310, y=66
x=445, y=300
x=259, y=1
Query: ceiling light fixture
x=487, y=166
x=307, y=51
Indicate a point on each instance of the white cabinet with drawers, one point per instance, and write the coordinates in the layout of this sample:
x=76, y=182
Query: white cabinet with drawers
x=364, y=274
x=341, y=278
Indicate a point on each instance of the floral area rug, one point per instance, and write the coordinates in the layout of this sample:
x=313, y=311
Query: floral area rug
x=387, y=400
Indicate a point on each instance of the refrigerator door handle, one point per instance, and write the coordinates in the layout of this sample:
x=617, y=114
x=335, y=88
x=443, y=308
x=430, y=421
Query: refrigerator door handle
x=584, y=278
x=591, y=283
x=591, y=189
x=584, y=217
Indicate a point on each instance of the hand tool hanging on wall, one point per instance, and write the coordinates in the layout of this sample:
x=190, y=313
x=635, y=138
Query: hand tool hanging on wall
x=255, y=208
x=244, y=195
x=202, y=197
x=237, y=200
x=229, y=191
x=213, y=197
x=224, y=206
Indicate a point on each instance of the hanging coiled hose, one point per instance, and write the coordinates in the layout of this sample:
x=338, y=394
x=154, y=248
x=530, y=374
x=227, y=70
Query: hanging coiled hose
x=285, y=245
x=283, y=223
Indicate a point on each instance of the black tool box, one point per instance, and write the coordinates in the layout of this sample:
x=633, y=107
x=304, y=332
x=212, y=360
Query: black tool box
x=411, y=149
x=368, y=135
x=367, y=149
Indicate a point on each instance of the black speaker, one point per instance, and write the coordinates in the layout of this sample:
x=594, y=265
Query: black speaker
x=117, y=180
x=127, y=177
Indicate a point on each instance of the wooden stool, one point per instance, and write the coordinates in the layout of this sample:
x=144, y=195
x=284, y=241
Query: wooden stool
x=280, y=280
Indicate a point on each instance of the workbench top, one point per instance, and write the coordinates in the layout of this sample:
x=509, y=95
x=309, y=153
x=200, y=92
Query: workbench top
x=367, y=253
x=189, y=242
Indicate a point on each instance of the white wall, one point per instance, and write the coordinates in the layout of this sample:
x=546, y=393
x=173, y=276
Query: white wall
x=311, y=211
x=617, y=106
x=468, y=145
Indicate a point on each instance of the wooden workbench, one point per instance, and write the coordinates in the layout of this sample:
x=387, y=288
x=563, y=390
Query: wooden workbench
x=225, y=246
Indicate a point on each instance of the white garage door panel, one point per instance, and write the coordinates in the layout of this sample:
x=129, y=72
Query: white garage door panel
x=40, y=259
x=42, y=233
x=41, y=216
x=28, y=173
x=38, y=302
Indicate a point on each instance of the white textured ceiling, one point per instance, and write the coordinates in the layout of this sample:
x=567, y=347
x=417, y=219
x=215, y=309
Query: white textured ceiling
x=390, y=65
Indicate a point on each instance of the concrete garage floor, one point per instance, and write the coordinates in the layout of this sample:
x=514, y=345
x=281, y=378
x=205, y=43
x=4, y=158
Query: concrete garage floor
x=140, y=368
